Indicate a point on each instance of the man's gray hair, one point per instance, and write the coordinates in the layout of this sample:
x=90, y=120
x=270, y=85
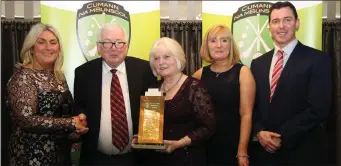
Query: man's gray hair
x=109, y=26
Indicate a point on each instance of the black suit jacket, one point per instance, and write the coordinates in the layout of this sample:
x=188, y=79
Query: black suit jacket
x=88, y=97
x=301, y=101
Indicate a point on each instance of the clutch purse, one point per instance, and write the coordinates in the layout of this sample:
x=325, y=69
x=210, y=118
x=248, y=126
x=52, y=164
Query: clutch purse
x=66, y=105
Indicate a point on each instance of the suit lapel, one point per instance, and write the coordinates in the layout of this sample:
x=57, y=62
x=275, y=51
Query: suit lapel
x=267, y=65
x=96, y=85
x=134, y=81
x=289, y=68
x=131, y=77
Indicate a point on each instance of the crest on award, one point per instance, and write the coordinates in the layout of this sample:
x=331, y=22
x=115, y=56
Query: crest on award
x=91, y=17
x=250, y=30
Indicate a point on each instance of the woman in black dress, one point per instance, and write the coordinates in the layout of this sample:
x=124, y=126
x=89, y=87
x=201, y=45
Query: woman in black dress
x=232, y=88
x=189, y=118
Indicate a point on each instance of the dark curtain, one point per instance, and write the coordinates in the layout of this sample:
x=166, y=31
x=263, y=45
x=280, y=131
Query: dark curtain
x=188, y=34
x=331, y=41
x=13, y=33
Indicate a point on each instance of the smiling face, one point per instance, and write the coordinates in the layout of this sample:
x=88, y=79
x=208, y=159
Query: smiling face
x=45, y=50
x=113, y=55
x=283, y=25
x=219, y=46
x=165, y=64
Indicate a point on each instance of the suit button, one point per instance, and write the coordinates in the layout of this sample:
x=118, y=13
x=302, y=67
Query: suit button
x=170, y=130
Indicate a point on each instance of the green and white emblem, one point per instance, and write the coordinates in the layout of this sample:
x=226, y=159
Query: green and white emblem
x=250, y=31
x=91, y=17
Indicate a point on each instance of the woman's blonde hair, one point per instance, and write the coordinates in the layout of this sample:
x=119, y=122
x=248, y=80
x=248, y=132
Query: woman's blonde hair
x=170, y=47
x=233, y=57
x=26, y=53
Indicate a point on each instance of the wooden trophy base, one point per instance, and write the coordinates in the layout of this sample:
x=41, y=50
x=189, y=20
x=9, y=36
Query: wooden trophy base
x=148, y=146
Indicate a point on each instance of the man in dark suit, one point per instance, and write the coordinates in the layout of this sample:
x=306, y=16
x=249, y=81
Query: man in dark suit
x=108, y=89
x=293, y=96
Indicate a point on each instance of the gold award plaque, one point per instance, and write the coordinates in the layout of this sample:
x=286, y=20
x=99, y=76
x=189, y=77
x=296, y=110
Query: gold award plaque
x=150, y=134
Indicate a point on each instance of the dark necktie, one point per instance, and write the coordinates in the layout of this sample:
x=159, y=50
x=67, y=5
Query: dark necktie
x=119, y=124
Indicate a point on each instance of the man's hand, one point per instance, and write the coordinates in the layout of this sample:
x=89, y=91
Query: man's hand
x=81, y=124
x=277, y=140
x=82, y=118
x=269, y=140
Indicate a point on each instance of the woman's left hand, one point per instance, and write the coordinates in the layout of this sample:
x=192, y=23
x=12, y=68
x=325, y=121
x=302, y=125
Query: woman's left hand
x=172, y=145
x=243, y=161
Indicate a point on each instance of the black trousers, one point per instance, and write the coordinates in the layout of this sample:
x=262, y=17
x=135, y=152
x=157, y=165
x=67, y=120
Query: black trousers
x=306, y=154
x=115, y=160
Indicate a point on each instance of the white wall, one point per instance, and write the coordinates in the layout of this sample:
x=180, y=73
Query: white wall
x=173, y=10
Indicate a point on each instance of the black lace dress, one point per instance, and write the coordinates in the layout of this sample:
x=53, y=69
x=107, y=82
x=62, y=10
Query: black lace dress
x=34, y=100
x=190, y=113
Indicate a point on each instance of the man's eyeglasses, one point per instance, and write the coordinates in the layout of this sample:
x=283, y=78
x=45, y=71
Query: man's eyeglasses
x=118, y=44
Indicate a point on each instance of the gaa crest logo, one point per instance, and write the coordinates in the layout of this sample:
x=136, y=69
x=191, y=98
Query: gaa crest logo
x=91, y=17
x=146, y=105
x=250, y=30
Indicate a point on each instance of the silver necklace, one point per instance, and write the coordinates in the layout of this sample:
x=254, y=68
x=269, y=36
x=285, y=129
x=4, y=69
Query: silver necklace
x=163, y=87
x=217, y=74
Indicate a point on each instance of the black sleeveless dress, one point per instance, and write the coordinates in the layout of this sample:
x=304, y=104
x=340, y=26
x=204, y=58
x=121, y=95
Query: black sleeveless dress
x=223, y=87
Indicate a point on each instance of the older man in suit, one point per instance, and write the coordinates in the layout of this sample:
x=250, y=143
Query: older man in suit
x=293, y=96
x=108, y=89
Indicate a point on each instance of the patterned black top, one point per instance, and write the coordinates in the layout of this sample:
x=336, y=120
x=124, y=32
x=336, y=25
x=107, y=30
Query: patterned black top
x=33, y=96
x=190, y=112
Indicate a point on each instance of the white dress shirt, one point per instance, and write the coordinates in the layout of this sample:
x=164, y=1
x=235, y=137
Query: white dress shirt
x=287, y=52
x=105, y=133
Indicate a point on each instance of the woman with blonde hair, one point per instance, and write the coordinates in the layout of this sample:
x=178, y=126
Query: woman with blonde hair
x=232, y=88
x=189, y=118
x=37, y=102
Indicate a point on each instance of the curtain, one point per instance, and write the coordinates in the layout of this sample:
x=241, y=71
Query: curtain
x=13, y=33
x=331, y=39
x=188, y=34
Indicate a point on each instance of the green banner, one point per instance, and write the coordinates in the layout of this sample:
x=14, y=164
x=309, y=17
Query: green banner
x=248, y=21
x=78, y=23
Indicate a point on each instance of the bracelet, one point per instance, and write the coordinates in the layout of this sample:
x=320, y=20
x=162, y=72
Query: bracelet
x=242, y=155
x=184, y=142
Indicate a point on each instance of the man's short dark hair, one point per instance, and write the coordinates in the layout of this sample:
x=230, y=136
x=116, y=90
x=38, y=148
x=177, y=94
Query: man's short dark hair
x=279, y=5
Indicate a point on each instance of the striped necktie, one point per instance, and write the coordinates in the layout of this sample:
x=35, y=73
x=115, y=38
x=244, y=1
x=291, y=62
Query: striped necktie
x=277, y=71
x=119, y=124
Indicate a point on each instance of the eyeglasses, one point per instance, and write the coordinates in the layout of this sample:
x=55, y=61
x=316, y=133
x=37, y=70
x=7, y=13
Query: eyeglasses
x=118, y=44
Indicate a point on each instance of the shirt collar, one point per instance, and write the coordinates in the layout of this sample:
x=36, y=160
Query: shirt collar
x=120, y=68
x=288, y=48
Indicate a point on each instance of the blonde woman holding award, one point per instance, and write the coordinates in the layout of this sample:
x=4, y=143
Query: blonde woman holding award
x=189, y=118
